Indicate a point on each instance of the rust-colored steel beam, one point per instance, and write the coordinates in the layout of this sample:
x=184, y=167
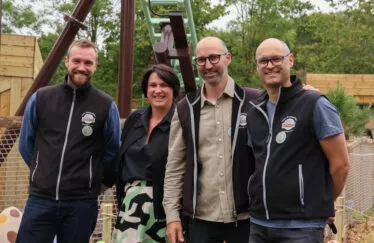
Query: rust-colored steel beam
x=49, y=68
x=58, y=51
x=174, y=33
x=165, y=45
x=126, y=59
x=181, y=45
x=161, y=52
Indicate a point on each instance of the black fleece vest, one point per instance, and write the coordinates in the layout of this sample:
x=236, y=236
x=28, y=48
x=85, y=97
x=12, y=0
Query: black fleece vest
x=291, y=179
x=67, y=159
x=243, y=161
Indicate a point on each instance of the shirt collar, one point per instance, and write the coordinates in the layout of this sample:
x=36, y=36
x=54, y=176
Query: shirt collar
x=228, y=91
x=164, y=123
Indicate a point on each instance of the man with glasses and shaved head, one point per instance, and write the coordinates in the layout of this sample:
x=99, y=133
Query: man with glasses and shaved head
x=300, y=153
x=209, y=162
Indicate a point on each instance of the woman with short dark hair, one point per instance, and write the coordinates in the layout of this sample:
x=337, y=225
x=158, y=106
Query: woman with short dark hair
x=142, y=160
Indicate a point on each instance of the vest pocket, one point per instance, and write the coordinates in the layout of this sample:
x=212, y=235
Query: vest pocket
x=301, y=184
x=36, y=166
x=90, y=181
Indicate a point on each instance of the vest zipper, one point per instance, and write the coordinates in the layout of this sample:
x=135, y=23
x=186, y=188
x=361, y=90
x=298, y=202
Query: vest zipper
x=90, y=183
x=266, y=160
x=301, y=184
x=65, y=143
x=194, y=198
x=248, y=185
x=264, y=172
x=270, y=137
x=235, y=214
x=36, y=166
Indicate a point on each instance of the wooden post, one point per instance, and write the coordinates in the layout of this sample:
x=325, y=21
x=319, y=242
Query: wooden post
x=126, y=59
x=339, y=206
x=107, y=221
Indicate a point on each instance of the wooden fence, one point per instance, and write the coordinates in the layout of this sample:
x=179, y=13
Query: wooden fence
x=361, y=86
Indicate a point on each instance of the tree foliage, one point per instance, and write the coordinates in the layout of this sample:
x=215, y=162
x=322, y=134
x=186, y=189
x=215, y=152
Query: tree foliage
x=256, y=21
x=19, y=17
x=339, y=42
x=103, y=28
x=353, y=117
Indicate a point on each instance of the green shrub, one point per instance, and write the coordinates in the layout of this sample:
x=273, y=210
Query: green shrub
x=353, y=117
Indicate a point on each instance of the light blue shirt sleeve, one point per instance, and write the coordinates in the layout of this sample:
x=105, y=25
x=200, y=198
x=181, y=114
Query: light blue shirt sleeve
x=28, y=131
x=112, y=133
x=326, y=119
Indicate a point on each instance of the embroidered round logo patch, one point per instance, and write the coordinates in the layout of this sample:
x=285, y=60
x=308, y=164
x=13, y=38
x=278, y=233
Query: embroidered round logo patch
x=281, y=137
x=289, y=123
x=87, y=131
x=243, y=120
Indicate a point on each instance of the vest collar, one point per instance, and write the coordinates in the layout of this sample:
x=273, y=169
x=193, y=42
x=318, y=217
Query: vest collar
x=285, y=92
x=81, y=89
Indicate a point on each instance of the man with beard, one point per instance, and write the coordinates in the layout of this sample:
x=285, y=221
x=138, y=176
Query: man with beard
x=209, y=162
x=69, y=137
x=300, y=152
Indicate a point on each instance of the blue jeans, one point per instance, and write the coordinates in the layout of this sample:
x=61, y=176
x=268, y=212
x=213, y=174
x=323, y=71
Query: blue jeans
x=72, y=221
x=260, y=234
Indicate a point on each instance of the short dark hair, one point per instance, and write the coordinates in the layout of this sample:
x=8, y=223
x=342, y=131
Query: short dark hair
x=166, y=73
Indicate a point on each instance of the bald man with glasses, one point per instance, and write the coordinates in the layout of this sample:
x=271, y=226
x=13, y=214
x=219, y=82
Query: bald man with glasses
x=300, y=152
x=209, y=162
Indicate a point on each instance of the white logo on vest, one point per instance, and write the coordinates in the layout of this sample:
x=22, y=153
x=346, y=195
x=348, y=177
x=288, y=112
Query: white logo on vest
x=289, y=123
x=243, y=120
x=88, y=120
x=281, y=137
x=87, y=131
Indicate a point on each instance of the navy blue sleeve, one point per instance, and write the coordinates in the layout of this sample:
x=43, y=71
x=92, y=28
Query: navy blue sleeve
x=28, y=131
x=326, y=119
x=112, y=133
x=112, y=136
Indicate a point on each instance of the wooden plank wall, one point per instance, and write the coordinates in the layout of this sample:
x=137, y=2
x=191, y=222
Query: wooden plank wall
x=17, y=56
x=361, y=86
x=20, y=62
x=38, y=60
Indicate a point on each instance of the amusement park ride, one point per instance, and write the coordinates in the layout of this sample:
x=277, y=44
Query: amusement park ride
x=172, y=46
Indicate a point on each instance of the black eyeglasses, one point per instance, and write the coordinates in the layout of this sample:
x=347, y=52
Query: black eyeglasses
x=275, y=60
x=213, y=59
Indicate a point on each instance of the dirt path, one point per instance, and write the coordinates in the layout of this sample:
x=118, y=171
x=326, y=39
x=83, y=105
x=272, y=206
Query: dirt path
x=361, y=232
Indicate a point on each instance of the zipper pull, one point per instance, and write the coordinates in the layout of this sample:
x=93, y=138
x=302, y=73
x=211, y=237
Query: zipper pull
x=236, y=218
x=268, y=138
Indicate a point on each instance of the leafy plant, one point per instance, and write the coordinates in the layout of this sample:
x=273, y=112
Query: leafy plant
x=353, y=117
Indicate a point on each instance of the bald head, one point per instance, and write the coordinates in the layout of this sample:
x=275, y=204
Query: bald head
x=211, y=41
x=214, y=69
x=273, y=43
x=273, y=63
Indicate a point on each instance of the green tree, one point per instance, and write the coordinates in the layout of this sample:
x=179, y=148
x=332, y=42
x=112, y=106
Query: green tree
x=17, y=16
x=334, y=43
x=353, y=117
x=46, y=42
x=256, y=21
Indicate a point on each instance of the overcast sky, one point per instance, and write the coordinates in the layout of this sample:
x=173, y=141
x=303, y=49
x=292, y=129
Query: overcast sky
x=221, y=23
